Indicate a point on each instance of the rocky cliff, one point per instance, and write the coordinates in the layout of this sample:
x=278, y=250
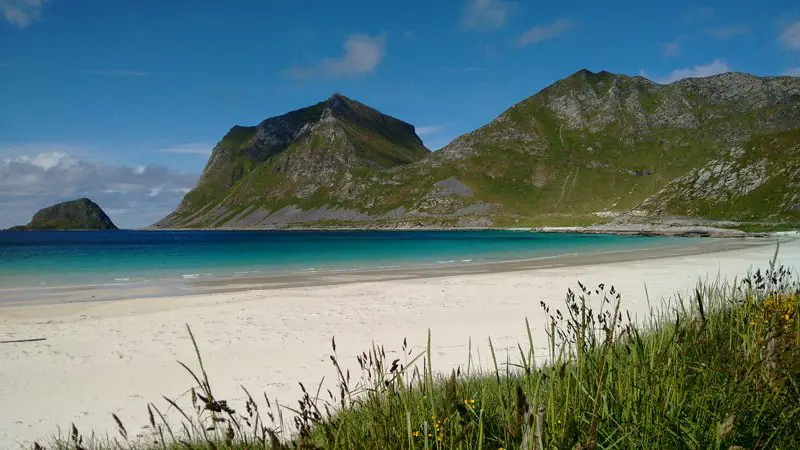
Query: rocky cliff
x=588, y=147
x=80, y=214
x=298, y=167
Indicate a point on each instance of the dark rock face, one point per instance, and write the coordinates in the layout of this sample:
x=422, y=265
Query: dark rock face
x=309, y=155
x=316, y=143
x=80, y=214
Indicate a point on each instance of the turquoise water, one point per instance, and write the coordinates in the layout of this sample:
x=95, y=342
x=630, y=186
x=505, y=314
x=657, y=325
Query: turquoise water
x=47, y=259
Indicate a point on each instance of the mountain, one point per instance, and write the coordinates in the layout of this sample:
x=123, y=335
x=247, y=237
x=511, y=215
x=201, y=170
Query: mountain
x=80, y=214
x=586, y=148
x=309, y=159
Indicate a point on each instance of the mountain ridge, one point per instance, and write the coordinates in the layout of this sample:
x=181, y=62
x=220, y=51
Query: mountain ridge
x=587, y=145
x=294, y=144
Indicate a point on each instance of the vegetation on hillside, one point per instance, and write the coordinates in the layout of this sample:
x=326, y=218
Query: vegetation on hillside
x=294, y=159
x=80, y=214
x=760, y=179
x=590, y=143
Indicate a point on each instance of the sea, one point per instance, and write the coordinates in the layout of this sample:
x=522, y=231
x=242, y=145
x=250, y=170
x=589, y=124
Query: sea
x=63, y=259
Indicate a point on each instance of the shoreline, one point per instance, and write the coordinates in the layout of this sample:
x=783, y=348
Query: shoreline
x=109, y=292
x=268, y=340
x=623, y=230
x=481, y=267
x=700, y=231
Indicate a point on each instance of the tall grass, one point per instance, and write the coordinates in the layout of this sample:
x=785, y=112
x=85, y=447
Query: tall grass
x=717, y=370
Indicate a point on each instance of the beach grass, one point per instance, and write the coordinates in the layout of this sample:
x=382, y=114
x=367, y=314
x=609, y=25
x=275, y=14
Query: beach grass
x=719, y=369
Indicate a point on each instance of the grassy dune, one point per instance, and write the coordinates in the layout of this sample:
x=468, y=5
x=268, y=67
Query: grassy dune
x=718, y=370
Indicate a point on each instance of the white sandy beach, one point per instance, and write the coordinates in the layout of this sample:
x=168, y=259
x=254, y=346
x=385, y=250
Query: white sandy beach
x=104, y=357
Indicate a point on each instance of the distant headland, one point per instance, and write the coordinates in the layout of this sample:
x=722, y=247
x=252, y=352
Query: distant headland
x=80, y=214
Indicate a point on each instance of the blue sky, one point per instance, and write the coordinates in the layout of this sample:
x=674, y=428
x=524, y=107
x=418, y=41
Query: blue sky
x=147, y=87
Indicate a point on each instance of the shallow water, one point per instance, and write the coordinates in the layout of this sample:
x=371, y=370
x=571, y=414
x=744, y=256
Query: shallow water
x=50, y=259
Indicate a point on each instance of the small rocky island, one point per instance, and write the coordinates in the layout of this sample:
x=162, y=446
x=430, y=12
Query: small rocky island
x=80, y=214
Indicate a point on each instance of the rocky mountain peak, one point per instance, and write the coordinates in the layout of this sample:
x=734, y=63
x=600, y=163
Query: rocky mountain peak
x=338, y=105
x=304, y=151
x=592, y=77
x=337, y=98
x=586, y=73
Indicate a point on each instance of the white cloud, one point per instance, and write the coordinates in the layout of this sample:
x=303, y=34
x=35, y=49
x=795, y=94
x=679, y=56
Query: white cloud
x=22, y=13
x=46, y=160
x=194, y=148
x=703, y=70
x=792, y=72
x=791, y=35
x=541, y=33
x=54, y=159
x=727, y=32
x=428, y=130
x=133, y=196
x=362, y=53
x=484, y=14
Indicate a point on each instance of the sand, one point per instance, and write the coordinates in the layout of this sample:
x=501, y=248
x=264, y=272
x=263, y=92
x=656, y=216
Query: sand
x=115, y=356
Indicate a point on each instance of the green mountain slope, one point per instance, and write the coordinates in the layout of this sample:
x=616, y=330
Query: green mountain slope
x=758, y=180
x=304, y=158
x=589, y=146
x=598, y=144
